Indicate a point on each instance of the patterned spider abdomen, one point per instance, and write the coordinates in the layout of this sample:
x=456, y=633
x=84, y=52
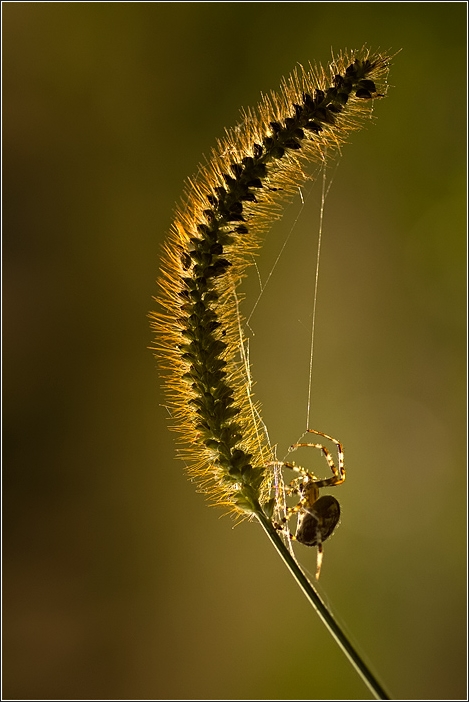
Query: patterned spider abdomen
x=317, y=525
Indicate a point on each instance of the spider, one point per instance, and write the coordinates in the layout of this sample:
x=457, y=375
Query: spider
x=317, y=516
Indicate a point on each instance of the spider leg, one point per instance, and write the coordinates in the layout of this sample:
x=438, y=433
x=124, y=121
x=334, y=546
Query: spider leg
x=299, y=507
x=340, y=451
x=319, y=559
x=284, y=529
x=338, y=473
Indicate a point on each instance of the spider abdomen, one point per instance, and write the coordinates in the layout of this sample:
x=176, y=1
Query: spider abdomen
x=316, y=525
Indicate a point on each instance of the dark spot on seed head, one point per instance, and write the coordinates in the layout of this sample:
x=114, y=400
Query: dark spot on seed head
x=362, y=93
x=237, y=169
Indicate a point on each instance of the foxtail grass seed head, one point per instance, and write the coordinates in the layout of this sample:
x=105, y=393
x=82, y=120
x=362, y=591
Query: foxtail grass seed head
x=225, y=209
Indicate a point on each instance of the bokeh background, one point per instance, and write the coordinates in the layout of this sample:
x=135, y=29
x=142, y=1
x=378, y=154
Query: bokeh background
x=119, y=581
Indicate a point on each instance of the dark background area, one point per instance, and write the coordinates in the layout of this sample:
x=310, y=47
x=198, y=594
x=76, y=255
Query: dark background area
x=119, y=582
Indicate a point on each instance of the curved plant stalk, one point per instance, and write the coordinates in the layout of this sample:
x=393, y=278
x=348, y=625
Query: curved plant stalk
x=322, y=610
x=217, y=228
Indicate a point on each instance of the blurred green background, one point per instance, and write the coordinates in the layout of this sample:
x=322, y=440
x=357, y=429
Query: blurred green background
x=119, y=582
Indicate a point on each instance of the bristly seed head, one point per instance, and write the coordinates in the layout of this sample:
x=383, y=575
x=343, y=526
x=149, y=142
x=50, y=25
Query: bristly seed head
x=252, y=171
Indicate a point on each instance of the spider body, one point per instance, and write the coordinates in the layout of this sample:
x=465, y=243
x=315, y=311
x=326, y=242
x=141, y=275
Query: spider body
x=317, y=516
x=315, y=526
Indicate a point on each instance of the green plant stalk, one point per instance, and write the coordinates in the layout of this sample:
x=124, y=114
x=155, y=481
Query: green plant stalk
x=218, y=227
x=320, y=607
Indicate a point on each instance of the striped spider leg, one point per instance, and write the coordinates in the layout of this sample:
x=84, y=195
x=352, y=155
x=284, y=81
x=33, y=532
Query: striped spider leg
x=317, y=516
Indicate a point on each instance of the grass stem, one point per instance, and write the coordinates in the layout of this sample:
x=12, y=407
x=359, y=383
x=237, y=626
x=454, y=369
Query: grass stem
x=355, y=659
